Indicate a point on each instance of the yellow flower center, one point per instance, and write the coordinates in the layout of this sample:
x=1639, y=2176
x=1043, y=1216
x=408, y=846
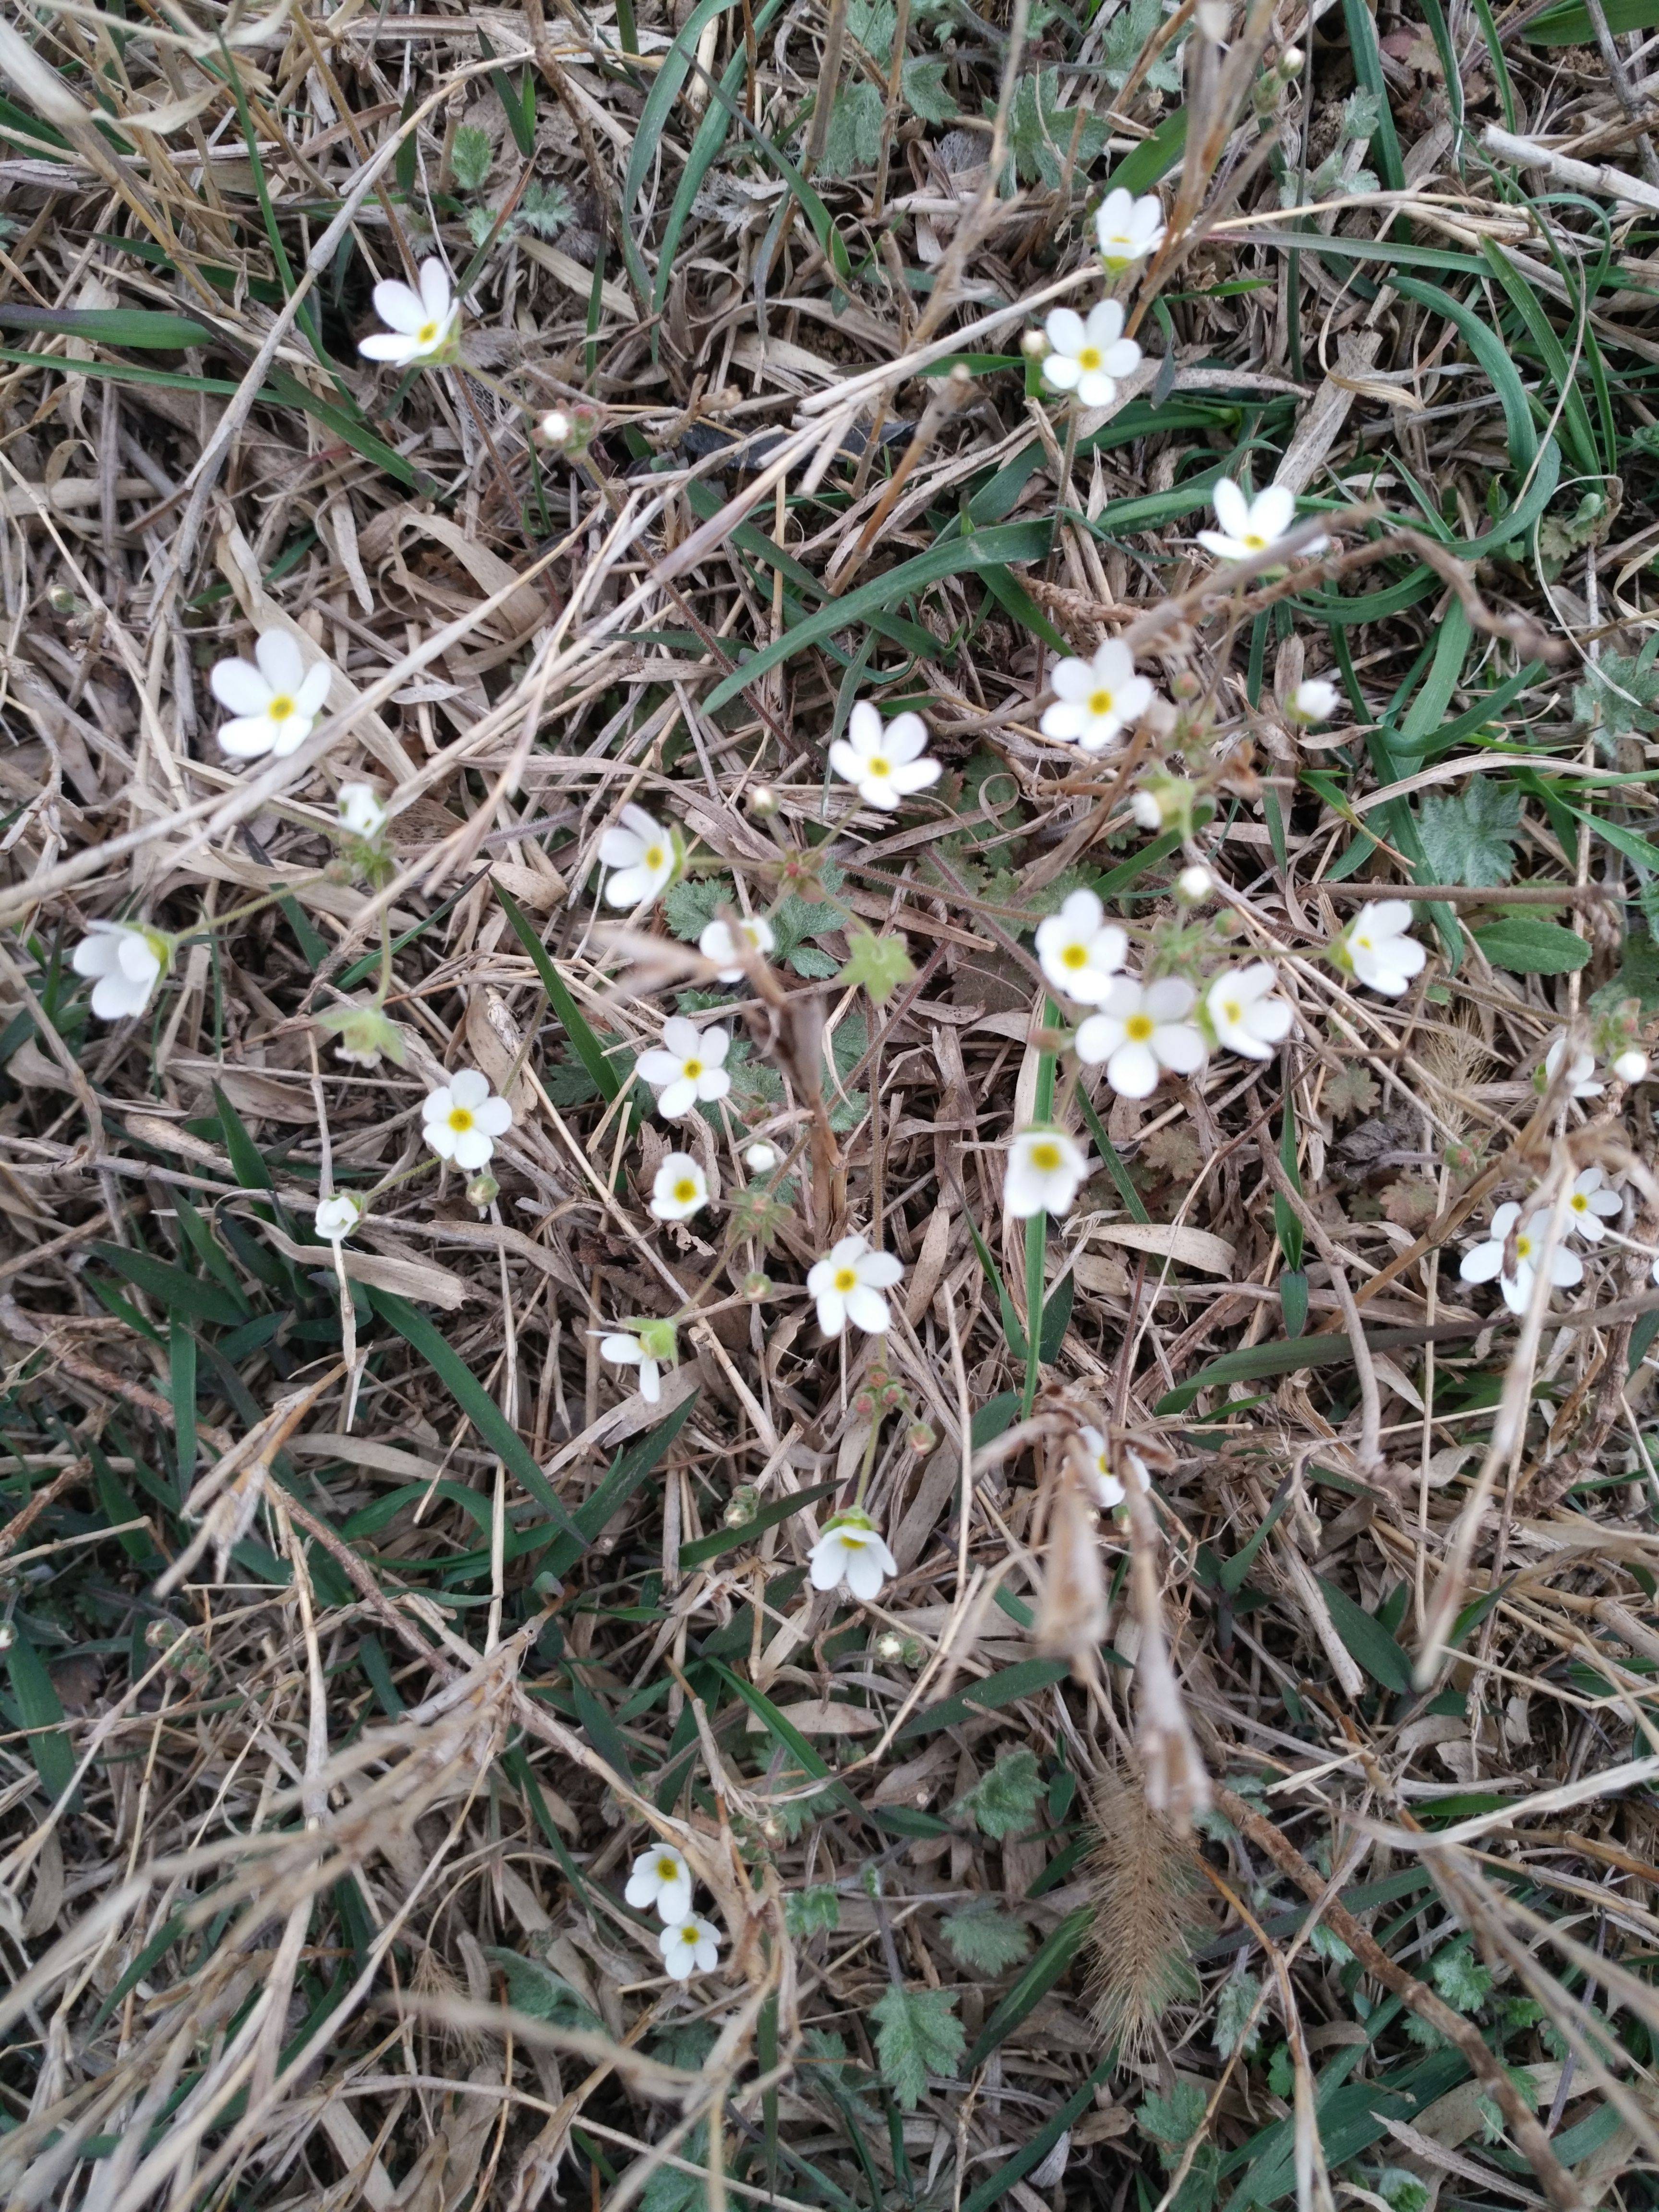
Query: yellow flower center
x=427, y=335
x=1100, y=702
x=878, y=766
x=667, y=1870
x=1045, y=1157
x=1075, y=956
x=1579, y=1202
x=693, y=1068
x=653, y=856
x=280, y=708
x=846, y=1279
x=459, y=1118
x=688, y=1935
x=1138, y=1028
x=1254, y=542
x=685, y=1190
x=1088, y=358
x=1231, y=1011
x=1523, y=1247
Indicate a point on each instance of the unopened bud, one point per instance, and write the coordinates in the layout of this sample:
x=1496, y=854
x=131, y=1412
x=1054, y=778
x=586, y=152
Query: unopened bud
x=762, y=802
x=554, y=429
x=1293, y=62
x=1631, y=1066
x=1147, y=810
x=741, y=1507
x=761, y=1158
x=8, y=1636
x=758, y=1286
x=1196, y=883
x=1035, y=345
x=482, y=1189
x=921, y=1438
x=890, y=1646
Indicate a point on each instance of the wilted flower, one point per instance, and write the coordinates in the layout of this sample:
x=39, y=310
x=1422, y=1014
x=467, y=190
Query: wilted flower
x=686, y=1068
x=1045, y=1168
x=1378, y=948
x=848, y=1283
x=462, y=1120
x=720, y=942
x=1484, y=1262
x=1079, y=950
x=850, y=1551
x=1314, y=700
x=1590, y=1206
x=647, y=1344
x=646, y=858
x=1089, y=356
x=1249, y=526
x=1095, y=699
x=274, y=698
x=1104, y=1487
x=679, y=1188
x=1581, y=1076
x=886, y=763
x=127, y=961
x=691, y=1946
x=365, y=1033
x=1141, y=1030
x=337, y=1217
x=1244, y=1012
x=360, y=811
x=1128, y=229
x=420, y=325
x=661, y=1877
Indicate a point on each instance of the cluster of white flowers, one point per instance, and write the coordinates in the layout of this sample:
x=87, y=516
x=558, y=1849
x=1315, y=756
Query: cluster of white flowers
x=1510, y=1252
x=689, y=1944
x=1088, y=356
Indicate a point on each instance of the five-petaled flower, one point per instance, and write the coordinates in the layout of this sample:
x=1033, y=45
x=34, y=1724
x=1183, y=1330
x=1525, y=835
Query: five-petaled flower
x=723, y=944
x=1128, y=229
x=1245, y=1015
x=360, y=811
x=850, y=1551
x=1046, y=1170
x=1377, y=947
x=126, y=963
x=1088, y=356
x=1140, y=1030
x=1096, y=699
x=1591, y=1205
x=661, y=1877
x=687, y=1067
x=886, y=763
x=1104, y=1487
x=848, y=1283
x=643, y=856
x=691, y=1946
x=1249, y=526
x=679, y=1188
x=462, y=1120
x=337, y=1217
x=274, y=699
x=421, y=326
x=1510, y=1253
x=1079, y=950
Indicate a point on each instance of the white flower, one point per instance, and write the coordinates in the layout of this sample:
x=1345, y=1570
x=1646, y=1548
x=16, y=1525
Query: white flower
x=274, y=698
x=850, y=1551
x=686, y=1066
x=1249, y=526
x=337, y=1217
x=626, y=1348
x=885, y=763
x=661, y=1877
x=1247, y=1017
x=1104, y=1487
x=691, y=1946
x=1378, y=946
x=420, y=325
x=679, y=1190
x=642, y=854
x=1484, y=1260
x=761, y=1158
x=1314, y=700
x=127, y=962
x=848, y=1283
x=1079, y=950
x=1631, y=1066
x=1590, y=1205
x=556, y=427
x=1089, y=357
x=1128, y=229
x=1194, y=884
x=1581, y=1076
x=1045, y=1168
x=1141, y=1029
x=462, y=1120
x=1147, y=809
x=360, y=811
x=720, y=942
x=1095, y=699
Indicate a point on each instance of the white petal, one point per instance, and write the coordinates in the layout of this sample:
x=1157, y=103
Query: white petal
x=1272, y=511
x=388, y=345
x=281, y=662
x=1232, y=508
x=238, y=685
x=1132, y=1070
x=1481, y=1262
x=247, y=738
x=867, y=1309
x=1066, y=330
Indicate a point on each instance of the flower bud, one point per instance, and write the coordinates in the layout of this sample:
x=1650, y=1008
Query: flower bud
x=758, y=1286
x=1291, y=63
x=1164, y=802
x=482, y=1189
x=1035, y=345
x=1314, y=700
x=1147, y=810
x=555, y=427
x=365, y=1034
x=741, y=1507
x=762, y=802
x=569, y=430
x=920, y=1438
x=1631, y=1066
x=657, y=1339
x=1194, y=885
x=761, y=1158
x=890, y=1646
x=8, y=1636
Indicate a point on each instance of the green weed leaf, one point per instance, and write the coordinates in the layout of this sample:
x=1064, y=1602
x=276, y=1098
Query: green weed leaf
x=983, y=1938
x=917, y=2034
x=1468, y=836
x=1003, y=1802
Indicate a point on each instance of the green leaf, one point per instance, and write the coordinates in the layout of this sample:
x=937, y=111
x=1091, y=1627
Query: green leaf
x=1004, y=1802
x=626, y=1473
x=1033, y=2152
x=1568, y=24
x=41, y=1714
x=811, y=1911
x=589, y=1050
x=648, y=132
x=917, y=2034
x=1526, y=944
x=881, y=964
x=472, y=157
x=1171, y=2122
x=172, y=1289
x=1469, y=835
x=532, y=1986
x=1125, y=42
x=1232, y=2011
x=1150, y=161
x=1460, y=1976
x=1367, y=1641
x=926, y=94
x=137, y=327
x=1034, y=1985
x=1025, y=1679
x=985, y=1938
x=1042, y=133
x=853, y=141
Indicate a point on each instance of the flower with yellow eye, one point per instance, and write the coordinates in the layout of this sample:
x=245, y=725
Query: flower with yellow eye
x=462, y=1120
x=1249, y=526
x=1591, y=1205
x=1095, y=699
x=1484, y=1260
x=686, y=1068
x=887, y=763
x=1089, y=357
x=660, y=1877
x=274, y=699
x=1046, y=1168
x=691, y=1946
x=421, y=326
x=847, y=1285
x=644, y=856
x=1079, y=950
x=1104, y=1487
x=679, y=1188
x=1140, y=1030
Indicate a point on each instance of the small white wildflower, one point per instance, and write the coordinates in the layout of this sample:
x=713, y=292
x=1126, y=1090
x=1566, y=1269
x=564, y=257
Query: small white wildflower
x=661, y=1877
x=1147, y=809
x=1591, y=1205
x=720, y=944
x=1079, y=950
x=1128, y=229
x=679, y=1190
x=643, y=856
x=691, y=1946
x=1249, y=526
x=1046, y=1170
x=1314, y=700
x=1246, y=1015
x=1581, y=1076
x=555, y=427
x=420, y=325
x=1631, y=1066
x=646, y=1344
x=1104, y=1487
x=761, y=1158
x=850, y=1551
x=337, y=1217
x=126, y=963
x=1194, y=884
x=360, y=811
x=1095, y=699
x=886, y=762
x=274, y=699
x=848, y=1283
x=1140, y=1030
x=462, y=1120
x=687, y=1067
x=1378, y=947
x=1485, y=1261
x=1089, y=357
